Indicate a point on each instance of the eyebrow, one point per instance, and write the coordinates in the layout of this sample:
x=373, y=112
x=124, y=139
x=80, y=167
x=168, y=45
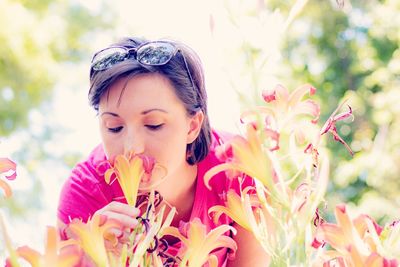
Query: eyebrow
x=143, y=112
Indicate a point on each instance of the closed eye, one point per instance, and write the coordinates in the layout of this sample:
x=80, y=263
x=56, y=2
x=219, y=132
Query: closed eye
x=154, y=127
x=115, y=130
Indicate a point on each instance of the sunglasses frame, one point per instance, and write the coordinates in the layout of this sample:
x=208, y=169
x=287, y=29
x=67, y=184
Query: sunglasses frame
x=134, y=53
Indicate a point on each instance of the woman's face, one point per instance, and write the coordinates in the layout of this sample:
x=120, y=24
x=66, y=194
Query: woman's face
x=147, y=117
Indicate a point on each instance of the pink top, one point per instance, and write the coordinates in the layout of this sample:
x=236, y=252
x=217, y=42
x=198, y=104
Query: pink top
x=86, y=191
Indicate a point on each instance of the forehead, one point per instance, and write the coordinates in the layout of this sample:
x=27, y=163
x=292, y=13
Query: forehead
x=148, y=90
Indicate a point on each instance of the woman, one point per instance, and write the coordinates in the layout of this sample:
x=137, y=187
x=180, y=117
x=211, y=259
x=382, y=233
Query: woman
x=151, y=99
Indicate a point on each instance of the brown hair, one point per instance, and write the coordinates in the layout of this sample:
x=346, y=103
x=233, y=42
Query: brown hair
x=193, y=97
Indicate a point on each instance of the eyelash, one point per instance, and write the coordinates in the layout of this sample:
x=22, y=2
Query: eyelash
x=150, y=127
x=155, y=127
x=115, y=130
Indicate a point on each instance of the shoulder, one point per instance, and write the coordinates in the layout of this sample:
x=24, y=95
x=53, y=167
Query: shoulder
x=90, y=171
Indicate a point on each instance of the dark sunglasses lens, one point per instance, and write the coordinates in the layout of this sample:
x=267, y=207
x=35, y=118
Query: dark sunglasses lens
x=155, y=53
x=108, y=58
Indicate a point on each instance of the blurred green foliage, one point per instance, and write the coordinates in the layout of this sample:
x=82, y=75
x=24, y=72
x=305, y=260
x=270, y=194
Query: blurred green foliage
x=352, y=53
x=35, y=36
x=349, y=53
x=355, y=55
x=37, y=39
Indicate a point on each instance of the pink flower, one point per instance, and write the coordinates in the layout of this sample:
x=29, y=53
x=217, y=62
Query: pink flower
x=6, y=166
x=355, y=242
x=330, y=125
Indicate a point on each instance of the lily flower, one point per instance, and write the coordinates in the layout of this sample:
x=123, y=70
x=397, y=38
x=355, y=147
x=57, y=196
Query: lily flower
x=12, y=259
x=128, y=171
x=330, y=125
x=53, y=255
x=235, y=208
x=390, y=237
x=6, y=165
x=249, y=158
x=133, y=172
x=197, y=244
x=356, y=242
x=284, y=107
x=153, y=232
x=283, y=100
x=90, y=237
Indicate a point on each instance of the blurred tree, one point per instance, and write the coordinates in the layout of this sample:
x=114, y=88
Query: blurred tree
x=38, y=39
x=347, y=49
x=353, y=53
x=35, y=36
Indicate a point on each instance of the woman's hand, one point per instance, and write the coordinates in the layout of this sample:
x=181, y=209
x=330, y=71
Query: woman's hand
x=125, y=216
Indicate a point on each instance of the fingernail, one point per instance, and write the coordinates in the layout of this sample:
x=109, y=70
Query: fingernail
x=102, y=219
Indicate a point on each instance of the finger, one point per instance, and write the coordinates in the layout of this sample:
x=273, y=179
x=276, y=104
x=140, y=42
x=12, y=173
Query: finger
x=123, y=208
x=124, y=220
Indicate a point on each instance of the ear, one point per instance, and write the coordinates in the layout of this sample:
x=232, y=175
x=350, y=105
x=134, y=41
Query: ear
x=195, y=124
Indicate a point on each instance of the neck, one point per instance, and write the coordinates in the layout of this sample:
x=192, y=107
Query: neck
x=179, y=192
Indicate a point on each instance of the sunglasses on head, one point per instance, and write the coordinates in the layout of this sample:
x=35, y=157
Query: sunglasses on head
x=156, y=53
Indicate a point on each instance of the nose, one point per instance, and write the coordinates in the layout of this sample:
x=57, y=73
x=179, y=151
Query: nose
x=133, y=143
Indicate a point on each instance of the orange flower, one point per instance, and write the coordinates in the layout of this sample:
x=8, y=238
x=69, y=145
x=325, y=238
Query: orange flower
x=235, y=208
x=12, y=260
x=90, y=237
x=355, y=242
x=7, y=165
x=55, y=255
x=133, y=172
x=249, y=158
x=197, y=244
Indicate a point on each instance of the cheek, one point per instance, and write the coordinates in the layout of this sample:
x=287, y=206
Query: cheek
x=111, y=145
x=170, y=150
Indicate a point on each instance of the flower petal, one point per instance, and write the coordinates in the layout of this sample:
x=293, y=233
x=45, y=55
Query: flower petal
x=296, y=96
x=6, y=188
x=30, y=255
x=233, y=208
x=217, y=169
x=333, y=235
x=308, y=107
x=374, y=260
x=8, y=165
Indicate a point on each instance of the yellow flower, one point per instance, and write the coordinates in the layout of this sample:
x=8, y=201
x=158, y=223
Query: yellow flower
x=197, y=244
x=12, y=260
x=129, y=173
x=235, y=208
x=355, y=242
x=90, y=237
x=55, y=254
x=133, y=172
x=248, y=157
